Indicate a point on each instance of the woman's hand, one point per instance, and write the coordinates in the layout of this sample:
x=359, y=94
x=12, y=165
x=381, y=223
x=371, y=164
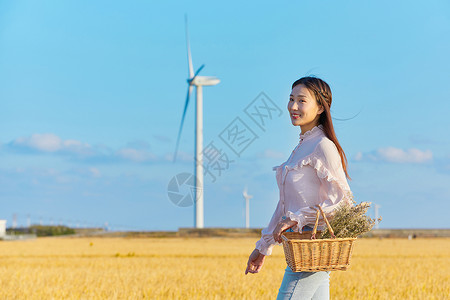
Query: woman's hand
x=281, y=227
x=255, y=262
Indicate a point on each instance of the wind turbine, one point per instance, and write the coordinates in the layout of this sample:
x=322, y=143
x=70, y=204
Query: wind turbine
x=376, y=206
x=247, y=207
x=198, y=82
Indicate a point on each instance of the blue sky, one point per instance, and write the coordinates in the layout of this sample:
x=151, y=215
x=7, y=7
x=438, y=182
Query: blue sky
x=92, y=93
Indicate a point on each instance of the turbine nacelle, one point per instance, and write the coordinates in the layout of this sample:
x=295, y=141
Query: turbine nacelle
x=246, y=196
x=203, y=80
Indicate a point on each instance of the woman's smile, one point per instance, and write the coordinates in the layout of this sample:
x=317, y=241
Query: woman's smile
x=295, y=116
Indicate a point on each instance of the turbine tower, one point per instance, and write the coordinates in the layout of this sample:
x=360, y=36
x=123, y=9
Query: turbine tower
x=247, y=207
x=198, y=82
x=376, y=206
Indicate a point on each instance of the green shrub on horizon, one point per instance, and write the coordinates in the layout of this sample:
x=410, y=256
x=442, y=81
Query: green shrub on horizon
x=42, y=230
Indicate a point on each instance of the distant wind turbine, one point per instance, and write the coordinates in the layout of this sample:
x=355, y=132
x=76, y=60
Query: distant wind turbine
x=247, y=207
x=376, y=207
x=198, y=82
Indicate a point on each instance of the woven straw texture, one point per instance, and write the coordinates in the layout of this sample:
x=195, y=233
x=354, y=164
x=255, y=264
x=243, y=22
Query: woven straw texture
x=306, y=255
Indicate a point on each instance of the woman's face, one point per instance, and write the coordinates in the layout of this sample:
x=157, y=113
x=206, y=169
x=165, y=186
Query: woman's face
x=303, y=108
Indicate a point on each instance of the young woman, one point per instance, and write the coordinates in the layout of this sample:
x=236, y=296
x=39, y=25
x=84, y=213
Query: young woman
x=314, y=174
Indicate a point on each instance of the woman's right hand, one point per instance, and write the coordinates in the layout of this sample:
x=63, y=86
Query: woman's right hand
x=282, y=227
x=255, y=262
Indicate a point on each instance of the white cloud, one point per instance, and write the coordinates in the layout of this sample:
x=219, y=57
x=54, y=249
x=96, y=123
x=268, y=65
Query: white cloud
x=95, y=172
x=396, y=155
x=136, y=155
x=137, y=151
x=85, y=172
x=412, y=155
x=46, y=142
x=181, y=156
x=358, y=156
x=162, y=138
x=268, y=153
x=50, y=143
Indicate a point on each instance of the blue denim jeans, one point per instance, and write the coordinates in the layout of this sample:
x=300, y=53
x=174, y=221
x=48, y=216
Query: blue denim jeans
x=304, y=285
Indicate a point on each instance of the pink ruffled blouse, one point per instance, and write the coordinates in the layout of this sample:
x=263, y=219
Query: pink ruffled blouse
x=313, y=175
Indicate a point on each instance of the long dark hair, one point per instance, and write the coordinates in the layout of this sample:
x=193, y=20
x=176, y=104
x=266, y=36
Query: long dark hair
x=322, y=92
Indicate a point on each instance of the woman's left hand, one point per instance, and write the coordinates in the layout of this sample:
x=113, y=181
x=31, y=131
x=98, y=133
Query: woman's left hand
x=281, y=227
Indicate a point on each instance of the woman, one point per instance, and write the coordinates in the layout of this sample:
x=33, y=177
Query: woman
x=314, y=174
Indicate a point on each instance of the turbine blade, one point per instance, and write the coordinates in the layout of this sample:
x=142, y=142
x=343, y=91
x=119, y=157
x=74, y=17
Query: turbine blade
x=190, y=67
x=195, y=75
x=182, y=121
x=198, y=71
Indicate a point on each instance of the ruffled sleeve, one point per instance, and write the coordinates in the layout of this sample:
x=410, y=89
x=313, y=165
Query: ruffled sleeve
x=266, y=242
x=334, y=188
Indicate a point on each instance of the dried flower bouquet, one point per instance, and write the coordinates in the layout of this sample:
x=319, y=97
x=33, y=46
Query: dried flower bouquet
x=350, y=220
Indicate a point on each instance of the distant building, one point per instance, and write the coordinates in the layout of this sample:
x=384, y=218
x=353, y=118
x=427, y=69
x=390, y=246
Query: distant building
x=2, y=228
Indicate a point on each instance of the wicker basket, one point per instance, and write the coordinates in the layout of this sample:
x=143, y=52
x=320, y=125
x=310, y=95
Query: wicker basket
x=304, y=253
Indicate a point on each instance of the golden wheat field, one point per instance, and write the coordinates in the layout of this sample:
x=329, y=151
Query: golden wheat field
x=209, y=268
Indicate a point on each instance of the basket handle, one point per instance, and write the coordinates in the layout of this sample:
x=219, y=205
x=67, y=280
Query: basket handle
x=320, y=211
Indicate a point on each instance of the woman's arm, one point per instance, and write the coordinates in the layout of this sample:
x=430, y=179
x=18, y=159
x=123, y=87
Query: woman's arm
x=270, y=236
x=266, y=242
